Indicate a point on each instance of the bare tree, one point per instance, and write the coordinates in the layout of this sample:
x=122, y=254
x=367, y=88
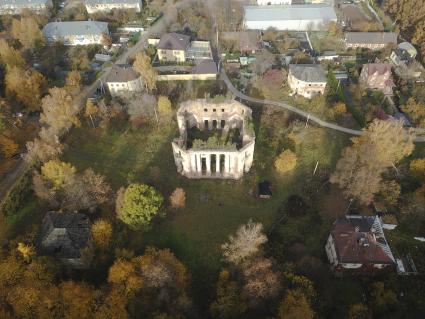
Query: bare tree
x=246, y=243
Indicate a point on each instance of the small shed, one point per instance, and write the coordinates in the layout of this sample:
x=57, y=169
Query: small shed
x=265, y=190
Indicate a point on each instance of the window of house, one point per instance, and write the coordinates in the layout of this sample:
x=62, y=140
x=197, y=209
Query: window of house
x=222, y=110
x=214, y=110
x=205, y=110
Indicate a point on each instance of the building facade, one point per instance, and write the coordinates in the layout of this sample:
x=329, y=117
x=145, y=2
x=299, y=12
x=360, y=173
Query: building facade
x=307, y=17
x=370, y=40
x=93, y=6
x=307, y=80
x=123, y=79
x=357, y=243
x=273, y=2
x=212, y=158
x=16, y=6
x=76, y=32
x=377, y=76
x=172, y=47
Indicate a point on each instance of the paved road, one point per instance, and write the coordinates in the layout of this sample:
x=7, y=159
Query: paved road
x=306, y=115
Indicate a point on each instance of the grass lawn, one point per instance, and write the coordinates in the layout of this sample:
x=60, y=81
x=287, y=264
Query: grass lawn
x=214, y=208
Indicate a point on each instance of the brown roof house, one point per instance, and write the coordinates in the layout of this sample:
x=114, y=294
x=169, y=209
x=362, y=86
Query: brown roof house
x=172, y=47
x=63, y=236
x=122, y=80
x=370, y=40
x=357, y=243
x=377, y=76
x=247, y=42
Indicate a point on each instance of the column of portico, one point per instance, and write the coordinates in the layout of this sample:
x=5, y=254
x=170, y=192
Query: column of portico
x=193, y=162
x=208, y=161
x=198, y=164
x=217, y=164
x=227, y=163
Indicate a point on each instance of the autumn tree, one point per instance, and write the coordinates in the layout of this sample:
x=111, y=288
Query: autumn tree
x=359, y=311
x=417, y=168
x=27, y=32
x=390, y=192
x=9, y=56
x=138, y=205
x=261, y=280
x=8, y=147
x=178, y=198
x=164, y=106
x=416, y=111
x=26, y=251
x=58, y=173
x=383, y=297
x=263, y=62
x=295, y=305
x=101, y=231
x=26, y=85
x=229, y=302
x=43, y=148
x=91, y=110
x=73, y=82
x=271, y=84
x=142, y=64
x=285, y=162
x=381, y=146
x=59, y=111
x=245, y=243
x=78, y=300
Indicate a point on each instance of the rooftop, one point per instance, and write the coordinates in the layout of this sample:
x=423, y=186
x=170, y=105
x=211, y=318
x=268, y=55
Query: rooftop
x=94, y=2
x=360, y=239
x=21, y=2
x=78, y=28
x=174, y=41
x=380, y=68
x=246, y=40
x=409, y=48
x=290, y=12
x=122, y=73
x=308, y=72
x=371, y=37
x=62, y=235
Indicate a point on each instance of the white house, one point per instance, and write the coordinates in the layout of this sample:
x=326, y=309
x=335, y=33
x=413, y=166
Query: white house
x=76, y=32
x=123, y=79
x=307, y=80
x=93, y=6
x=357, y=243
x=308, y=17
x=16, y=6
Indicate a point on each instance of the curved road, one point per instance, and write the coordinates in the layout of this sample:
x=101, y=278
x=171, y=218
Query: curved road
x=306, y=115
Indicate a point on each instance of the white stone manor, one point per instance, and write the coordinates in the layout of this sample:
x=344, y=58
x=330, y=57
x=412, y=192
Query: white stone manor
x=219, y=156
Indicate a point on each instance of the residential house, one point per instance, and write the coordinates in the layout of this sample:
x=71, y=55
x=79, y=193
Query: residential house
x=405, y=64
x=76, y=32
x=357, y=243
x=307, y=80
x=123, y=79
x=306, y=17
x=377, y=76
x=172, y=47
x=93, y=6
x=16, y=6
x=63, y=236
x=370, y=40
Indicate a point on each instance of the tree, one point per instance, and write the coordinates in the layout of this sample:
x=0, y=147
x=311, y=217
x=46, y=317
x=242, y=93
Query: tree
x=124, y=275
x=45, y=147
x=285, y=162
x=383, y=297
x=9, y=56
x=178, y=198
x=91, y=109
x=58, y=173
x=246, y=243
x=262, y=63
x=417, y=168
x=140, y=204
x=73, y=82
x=142, y=64
x=261, y=281
x=59, y=111
x=390, y=192
x=381, y=146
x=8, y=147
x=271, y=84
x=27, y=32
x=78, y=300
x=164, y=106
x=27, y=251
x=27, y=86
x=295, y=305
x=229, y=302
x=101, y=231
x=416, y=111
x=359, y=311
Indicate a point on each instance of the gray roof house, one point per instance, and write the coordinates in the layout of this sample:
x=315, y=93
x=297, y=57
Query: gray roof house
x=370, y=40
x=76, y=32
x=307, y=80
x=16, y=6
x=63, y=235
x=174, y=41
x=123, y=79
x=93, y=6
x=306, y=17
